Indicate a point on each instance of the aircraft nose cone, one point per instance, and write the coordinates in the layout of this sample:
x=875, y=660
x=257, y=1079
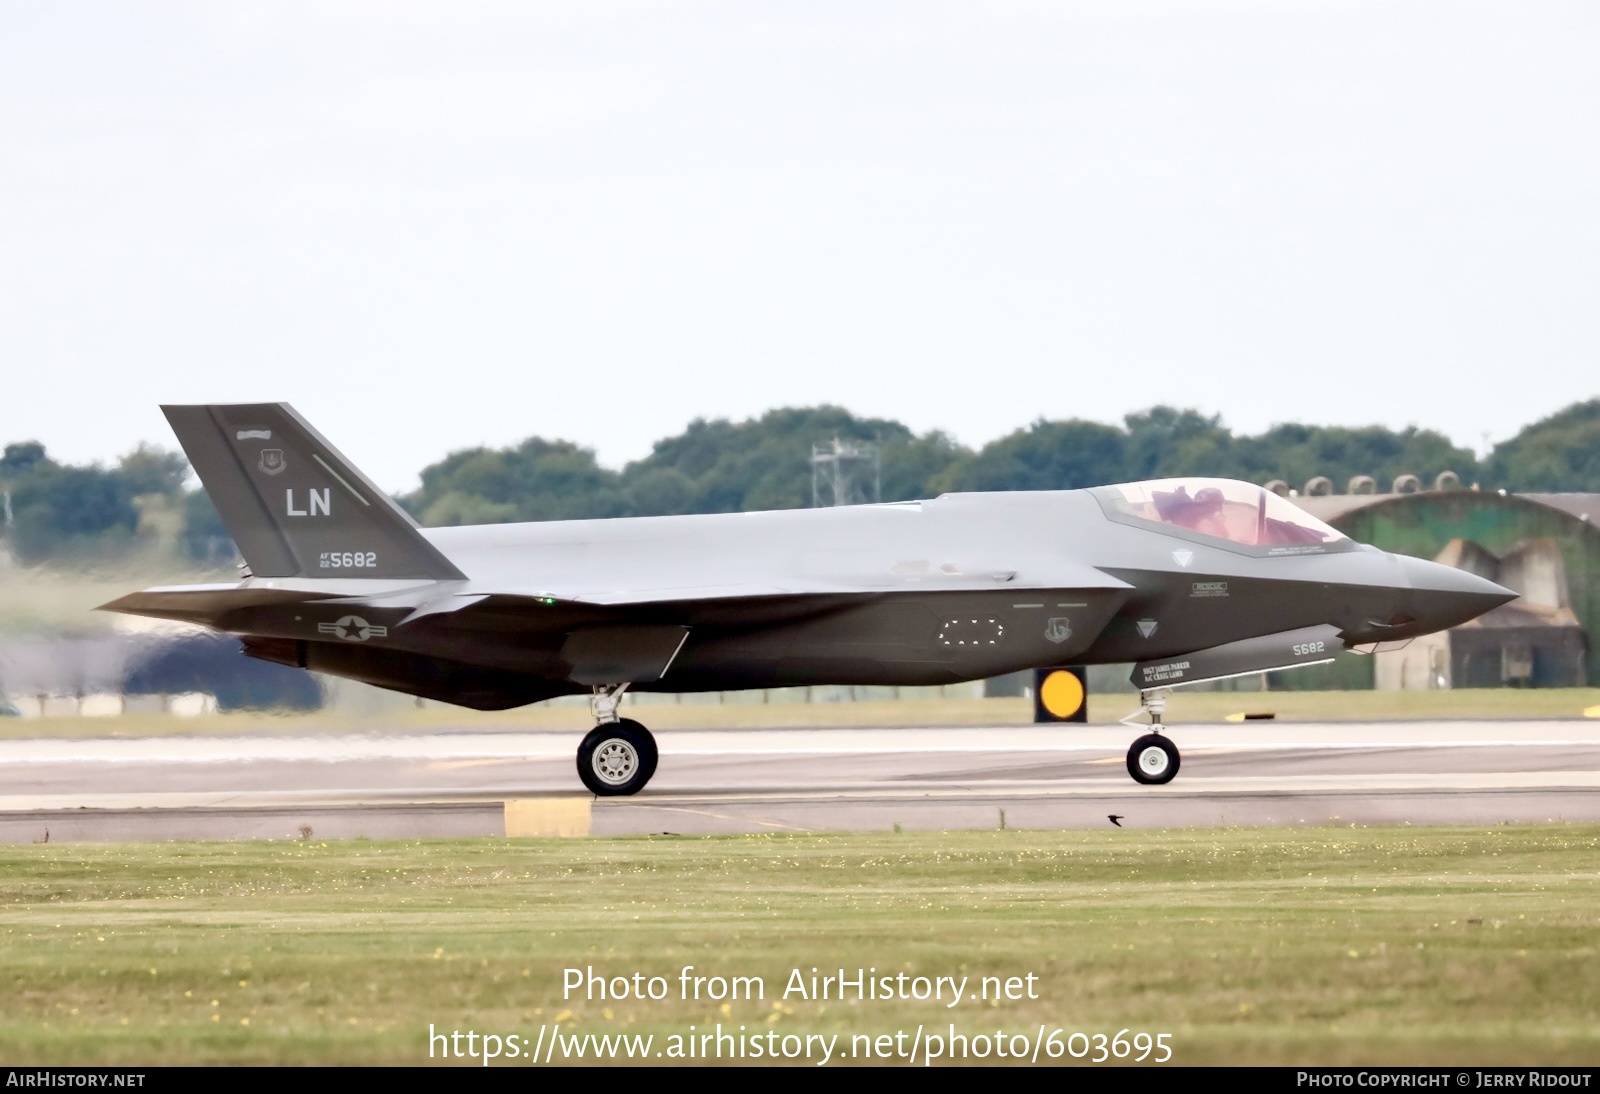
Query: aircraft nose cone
x=1446, y=596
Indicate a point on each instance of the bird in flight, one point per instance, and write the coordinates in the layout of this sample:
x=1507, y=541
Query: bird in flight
x=1115, y=818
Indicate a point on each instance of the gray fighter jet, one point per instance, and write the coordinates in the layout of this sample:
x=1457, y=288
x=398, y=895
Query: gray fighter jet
x=1191, y=579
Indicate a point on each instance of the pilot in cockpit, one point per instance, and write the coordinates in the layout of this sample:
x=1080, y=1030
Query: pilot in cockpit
x=1201, y=513
x=1208, y=513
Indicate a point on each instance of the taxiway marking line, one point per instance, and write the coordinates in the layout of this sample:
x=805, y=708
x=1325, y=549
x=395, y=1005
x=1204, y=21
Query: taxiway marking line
x=1252, y=784
x=726, y=817
x=1275, y=786
x=1177, y=738
x=565, y=755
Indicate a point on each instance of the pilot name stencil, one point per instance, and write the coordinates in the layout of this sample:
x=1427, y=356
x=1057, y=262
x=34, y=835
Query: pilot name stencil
x=1209, y=588
x=1172, y=670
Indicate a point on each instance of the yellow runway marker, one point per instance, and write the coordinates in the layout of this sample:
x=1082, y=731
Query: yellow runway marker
x=1062, y=694
x=547, y=816
x=1591, y=712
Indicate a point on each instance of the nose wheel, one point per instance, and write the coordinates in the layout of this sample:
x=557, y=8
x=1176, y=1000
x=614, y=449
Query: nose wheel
x=1152, y=759
x=618, y=756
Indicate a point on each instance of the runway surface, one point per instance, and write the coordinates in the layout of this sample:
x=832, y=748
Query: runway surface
x=473, y=783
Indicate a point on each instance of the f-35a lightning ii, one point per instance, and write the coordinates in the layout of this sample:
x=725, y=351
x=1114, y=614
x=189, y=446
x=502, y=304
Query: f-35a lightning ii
x=1191, y=579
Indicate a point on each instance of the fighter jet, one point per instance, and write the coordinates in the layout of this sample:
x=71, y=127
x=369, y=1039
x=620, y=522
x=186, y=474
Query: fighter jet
x=1189, y=579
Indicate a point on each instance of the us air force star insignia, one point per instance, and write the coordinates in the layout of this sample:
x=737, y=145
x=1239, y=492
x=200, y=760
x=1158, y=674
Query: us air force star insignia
x=1147, y=627
x=1183, y=557
x=272, y=461
x=1058, y=629
x=352, y=628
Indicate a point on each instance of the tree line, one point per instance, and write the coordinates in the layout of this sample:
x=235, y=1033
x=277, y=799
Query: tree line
x=59, y=512
x=719, y=466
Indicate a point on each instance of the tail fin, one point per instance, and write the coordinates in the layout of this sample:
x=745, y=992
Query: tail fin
x=293, y=504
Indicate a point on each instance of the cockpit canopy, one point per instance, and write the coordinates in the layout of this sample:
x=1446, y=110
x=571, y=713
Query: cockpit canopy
x=1238, y=512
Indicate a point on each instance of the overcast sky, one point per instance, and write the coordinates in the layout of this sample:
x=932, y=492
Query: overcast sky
x=437, y=225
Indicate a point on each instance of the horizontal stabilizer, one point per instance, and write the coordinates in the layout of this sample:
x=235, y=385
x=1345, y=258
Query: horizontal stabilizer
x=293, y=504
x=1286, y=650
x=204, y=604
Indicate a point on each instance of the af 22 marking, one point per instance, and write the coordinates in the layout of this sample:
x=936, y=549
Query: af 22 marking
x=348, y=560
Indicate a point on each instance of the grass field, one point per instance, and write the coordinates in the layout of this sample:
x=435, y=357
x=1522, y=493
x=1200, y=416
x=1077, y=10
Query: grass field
x=1282, y=946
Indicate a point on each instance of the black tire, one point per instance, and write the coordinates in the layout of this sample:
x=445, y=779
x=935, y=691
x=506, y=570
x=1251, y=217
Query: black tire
x=1153, y=760
x=617, y=759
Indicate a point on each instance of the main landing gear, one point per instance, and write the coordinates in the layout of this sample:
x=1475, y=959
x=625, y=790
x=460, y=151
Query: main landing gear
x=1152, y=759
x=618, y=756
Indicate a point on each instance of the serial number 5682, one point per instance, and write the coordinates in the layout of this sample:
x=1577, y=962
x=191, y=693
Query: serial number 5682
x=1303, y=648
x=349, y=560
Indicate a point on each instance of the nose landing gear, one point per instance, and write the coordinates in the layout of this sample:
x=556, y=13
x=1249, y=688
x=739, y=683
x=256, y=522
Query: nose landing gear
x=1152, y=759
x=618, y=756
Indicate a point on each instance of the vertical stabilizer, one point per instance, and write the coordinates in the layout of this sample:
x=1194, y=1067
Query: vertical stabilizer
x=293, y=504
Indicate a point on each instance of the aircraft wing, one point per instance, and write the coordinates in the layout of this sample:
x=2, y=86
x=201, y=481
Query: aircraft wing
x=1061, y=575
x=208, y=604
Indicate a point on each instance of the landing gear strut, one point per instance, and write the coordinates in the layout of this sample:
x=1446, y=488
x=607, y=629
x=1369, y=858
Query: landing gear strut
x=1152, y=759
x=618, y=756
